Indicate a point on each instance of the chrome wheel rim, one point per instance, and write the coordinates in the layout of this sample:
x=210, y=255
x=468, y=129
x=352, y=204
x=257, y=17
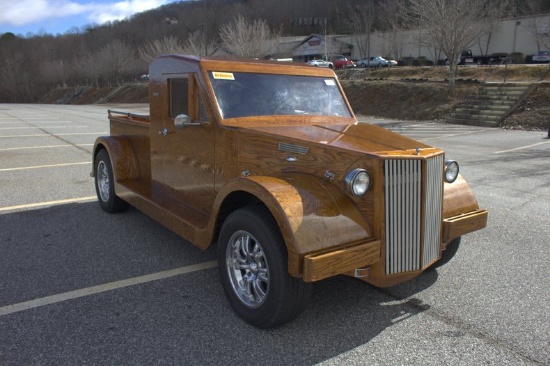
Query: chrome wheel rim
x=247, y=269
x=103, y=181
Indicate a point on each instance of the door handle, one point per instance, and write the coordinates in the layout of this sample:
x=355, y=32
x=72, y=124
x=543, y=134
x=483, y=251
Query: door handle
x=163, y=132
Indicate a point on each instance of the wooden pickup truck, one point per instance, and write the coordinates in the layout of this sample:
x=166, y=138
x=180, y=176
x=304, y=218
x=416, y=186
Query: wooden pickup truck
x=268, y=161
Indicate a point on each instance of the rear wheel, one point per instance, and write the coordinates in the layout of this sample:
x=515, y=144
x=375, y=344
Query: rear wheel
x=105, y=184
x=253, y=265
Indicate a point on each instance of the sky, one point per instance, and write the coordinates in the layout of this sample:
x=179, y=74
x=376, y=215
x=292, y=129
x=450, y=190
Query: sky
x=26, y=17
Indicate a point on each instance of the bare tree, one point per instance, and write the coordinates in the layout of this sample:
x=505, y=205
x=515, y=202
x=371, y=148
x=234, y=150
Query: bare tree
x=360, y=23
x=245, y=39
x=197, y=44
x=153, y=49
x=453, y=26
x=115, y=59
x=53, y=72
x=535, y=24
x=15, y=78
x=393, y=22
x=87, y=67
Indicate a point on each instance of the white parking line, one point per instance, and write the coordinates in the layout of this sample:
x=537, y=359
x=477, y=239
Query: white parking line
x=449, y=135
x=10, y=309
x=521, y=147
x=50, y=203
x=43, y=126
x=57, y=134
x=43, y=147
x=43, y=166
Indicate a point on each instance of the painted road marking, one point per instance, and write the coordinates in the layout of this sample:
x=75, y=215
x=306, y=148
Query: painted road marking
x=42, y=147
x=32, y=304
x=521, y=147
x=57, y=134
x=49, y=203
x=43, y=126
x=43, y=166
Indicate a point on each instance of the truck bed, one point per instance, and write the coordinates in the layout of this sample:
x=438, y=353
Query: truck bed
x=135, y=128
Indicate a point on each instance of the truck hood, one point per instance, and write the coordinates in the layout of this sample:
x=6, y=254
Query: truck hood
x=361, y=138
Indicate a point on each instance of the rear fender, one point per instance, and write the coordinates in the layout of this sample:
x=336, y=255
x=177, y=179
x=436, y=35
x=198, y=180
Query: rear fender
x=122, y=155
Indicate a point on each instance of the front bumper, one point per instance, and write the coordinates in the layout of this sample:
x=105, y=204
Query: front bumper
x=456, y=226
x=324, y=265
x=358, y=256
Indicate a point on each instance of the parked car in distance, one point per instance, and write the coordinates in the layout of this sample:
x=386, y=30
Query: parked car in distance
x=342, y=62
x=321, y=63
x=542, y=56
x=376, y=61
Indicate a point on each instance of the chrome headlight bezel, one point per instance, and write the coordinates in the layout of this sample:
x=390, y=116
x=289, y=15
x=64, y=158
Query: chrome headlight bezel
x=358, y=182
x=452, y=170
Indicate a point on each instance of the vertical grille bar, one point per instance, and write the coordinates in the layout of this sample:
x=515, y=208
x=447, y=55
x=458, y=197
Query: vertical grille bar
x=405, y=221
x=434, y=198
x=403, y=191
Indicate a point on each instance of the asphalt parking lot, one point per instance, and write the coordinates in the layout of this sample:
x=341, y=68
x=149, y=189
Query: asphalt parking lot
x=82, y=287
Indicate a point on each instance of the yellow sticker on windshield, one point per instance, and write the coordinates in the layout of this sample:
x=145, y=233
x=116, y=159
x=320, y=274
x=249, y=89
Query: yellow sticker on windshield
x=223, y=75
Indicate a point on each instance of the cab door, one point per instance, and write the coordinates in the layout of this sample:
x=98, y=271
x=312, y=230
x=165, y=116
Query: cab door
x=187, y=147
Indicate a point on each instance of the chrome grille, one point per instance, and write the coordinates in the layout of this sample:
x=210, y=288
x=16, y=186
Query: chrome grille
x=434, y=199
x=412, y=235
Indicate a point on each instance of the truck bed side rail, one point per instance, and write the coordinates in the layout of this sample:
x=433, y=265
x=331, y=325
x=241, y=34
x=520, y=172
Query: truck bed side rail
x=130, y=116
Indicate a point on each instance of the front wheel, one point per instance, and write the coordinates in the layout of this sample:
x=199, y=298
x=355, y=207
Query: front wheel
x=448, y=253
x=253, y=265
x=105, y=184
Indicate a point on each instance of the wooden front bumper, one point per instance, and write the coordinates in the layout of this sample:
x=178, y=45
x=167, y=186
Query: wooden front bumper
x=459, y=225
x=324, y=265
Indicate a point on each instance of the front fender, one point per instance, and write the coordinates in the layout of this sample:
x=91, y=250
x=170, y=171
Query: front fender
x=458, y=198
x=461, y=212
x=312, y=214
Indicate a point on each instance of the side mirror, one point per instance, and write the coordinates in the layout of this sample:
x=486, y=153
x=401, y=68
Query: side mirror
x=183, y=120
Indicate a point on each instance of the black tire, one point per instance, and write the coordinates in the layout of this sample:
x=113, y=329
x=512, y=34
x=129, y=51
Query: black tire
x=448, y=253
x=363, y=66
x=260, y=290
x=104, y=184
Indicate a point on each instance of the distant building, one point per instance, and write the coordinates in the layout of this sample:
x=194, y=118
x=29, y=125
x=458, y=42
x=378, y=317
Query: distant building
x=523, y=36
x=318, y=46
x=170, y=21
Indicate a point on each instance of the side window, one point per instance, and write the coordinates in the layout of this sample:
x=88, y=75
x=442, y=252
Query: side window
x=185, y=98
x=179, y=96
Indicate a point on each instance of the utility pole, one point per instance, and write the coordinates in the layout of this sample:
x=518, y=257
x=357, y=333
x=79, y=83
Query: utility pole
x=369, y=20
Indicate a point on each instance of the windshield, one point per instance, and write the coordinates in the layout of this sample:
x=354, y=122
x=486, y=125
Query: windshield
x=247, y=94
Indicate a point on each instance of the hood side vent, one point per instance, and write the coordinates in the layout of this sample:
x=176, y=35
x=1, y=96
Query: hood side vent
x=296, y=149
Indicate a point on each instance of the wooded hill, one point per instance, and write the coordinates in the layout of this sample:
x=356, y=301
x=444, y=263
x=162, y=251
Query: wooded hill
x=31, y=65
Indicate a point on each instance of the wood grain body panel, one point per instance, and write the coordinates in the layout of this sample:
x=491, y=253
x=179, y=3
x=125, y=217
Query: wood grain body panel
x=313, y=215
x=458, y=198
x=462, y=224
x=124, y=156
x=136, y=134
x=340, y=261
x=175, y=220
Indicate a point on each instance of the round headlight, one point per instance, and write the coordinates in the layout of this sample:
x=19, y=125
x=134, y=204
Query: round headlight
x=451, y=171
x=358, y=182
